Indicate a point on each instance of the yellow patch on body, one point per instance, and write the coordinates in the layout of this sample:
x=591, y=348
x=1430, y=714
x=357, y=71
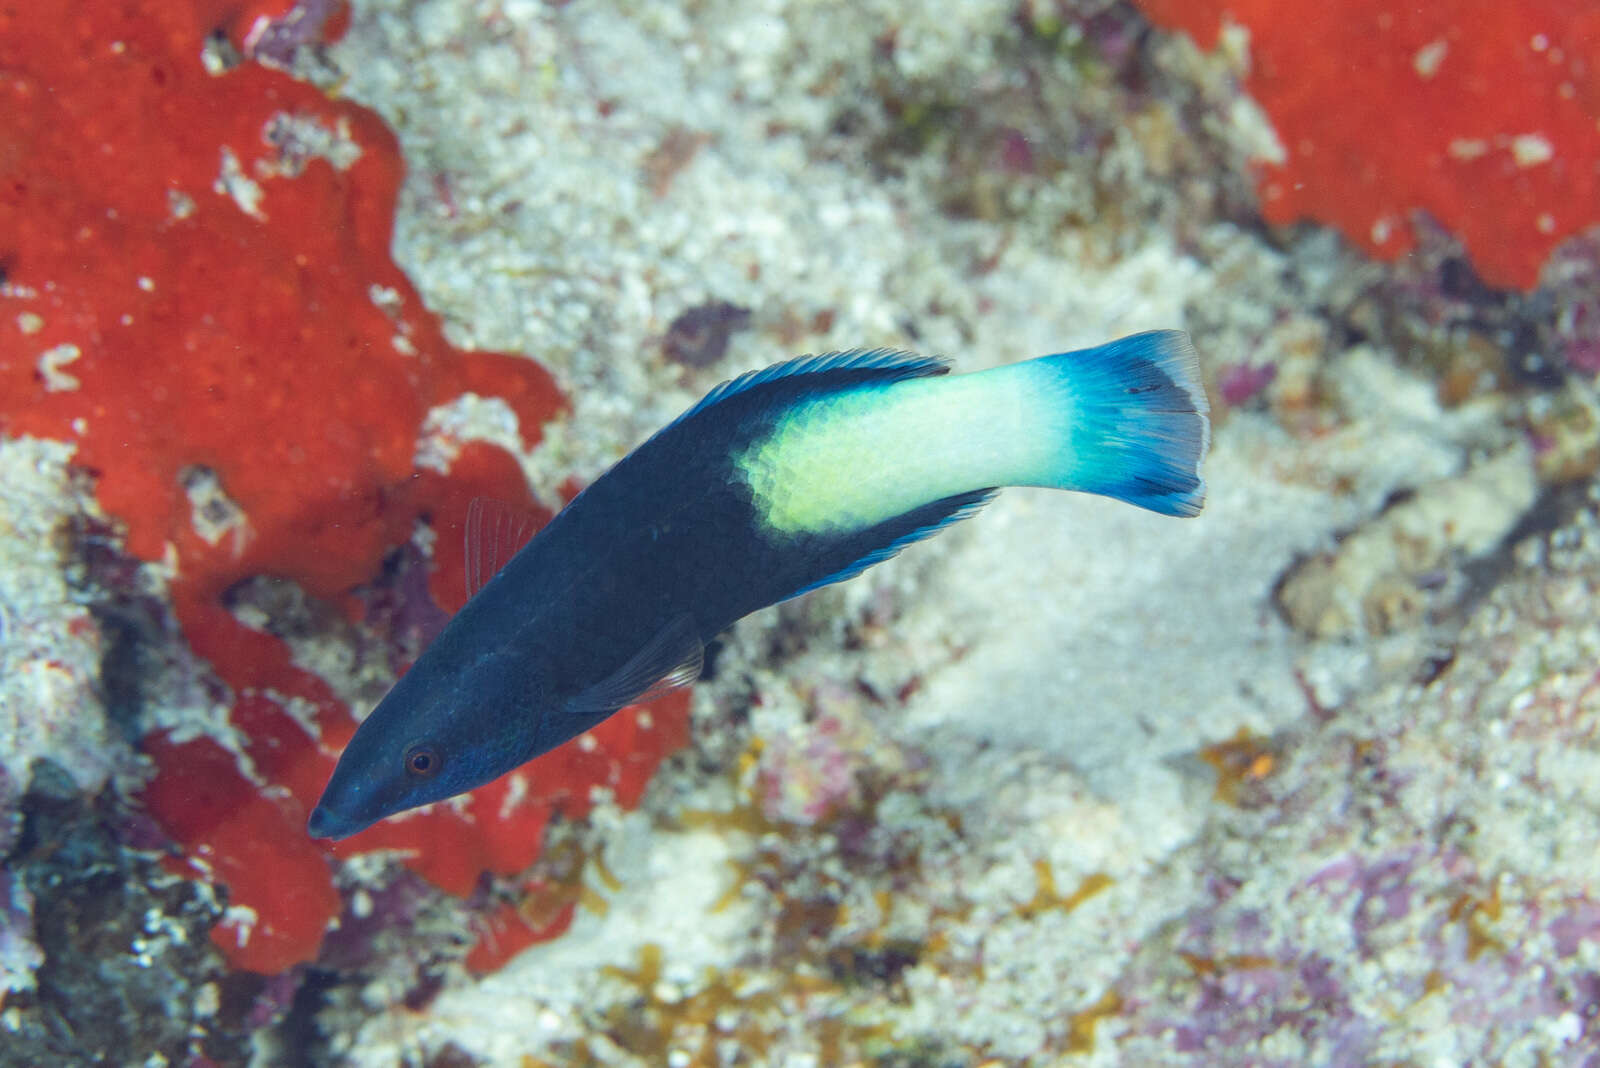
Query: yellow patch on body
x=850, y=460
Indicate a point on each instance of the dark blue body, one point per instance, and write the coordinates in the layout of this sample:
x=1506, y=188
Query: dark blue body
x=667, y=538
x=670, y=530
x=614, y=600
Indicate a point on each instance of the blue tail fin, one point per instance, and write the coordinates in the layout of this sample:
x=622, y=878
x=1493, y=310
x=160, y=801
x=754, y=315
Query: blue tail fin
x=1139, y=427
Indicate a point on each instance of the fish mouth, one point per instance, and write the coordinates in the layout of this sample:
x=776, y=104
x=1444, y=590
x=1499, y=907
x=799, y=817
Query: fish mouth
x=325, y=823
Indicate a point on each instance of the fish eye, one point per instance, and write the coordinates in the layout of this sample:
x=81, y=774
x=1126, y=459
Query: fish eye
x=422, y=761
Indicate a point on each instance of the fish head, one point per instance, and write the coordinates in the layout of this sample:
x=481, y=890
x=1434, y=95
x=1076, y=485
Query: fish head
x=445, y=728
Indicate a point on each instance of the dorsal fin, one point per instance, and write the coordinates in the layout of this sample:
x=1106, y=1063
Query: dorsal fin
x=495, y=532
x=886, y=365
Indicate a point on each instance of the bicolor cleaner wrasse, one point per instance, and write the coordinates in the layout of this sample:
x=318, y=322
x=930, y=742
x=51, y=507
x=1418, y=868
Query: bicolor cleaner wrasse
x=776, y=483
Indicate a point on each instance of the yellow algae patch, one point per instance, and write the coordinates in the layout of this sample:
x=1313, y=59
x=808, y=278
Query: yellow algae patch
x=1046, y=897
x=1081, y=1025
x=1241, y=762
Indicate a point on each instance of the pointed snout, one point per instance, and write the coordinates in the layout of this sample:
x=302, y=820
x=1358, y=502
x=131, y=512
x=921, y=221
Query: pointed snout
x=324, y=824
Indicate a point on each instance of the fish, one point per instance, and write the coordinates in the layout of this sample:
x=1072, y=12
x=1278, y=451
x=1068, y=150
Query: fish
x=776, y=483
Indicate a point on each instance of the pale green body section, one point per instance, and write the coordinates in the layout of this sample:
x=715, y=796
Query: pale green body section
x=847, y=461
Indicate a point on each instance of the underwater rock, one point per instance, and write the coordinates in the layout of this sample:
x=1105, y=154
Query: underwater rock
x=19, y=956
x=51, y=649
x=1382, y=577
x=1565, y=430
x=1413, y=886
x=125, y=972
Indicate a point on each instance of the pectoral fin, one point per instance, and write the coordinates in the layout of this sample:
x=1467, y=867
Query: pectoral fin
x=496, y=531
x=669, y=661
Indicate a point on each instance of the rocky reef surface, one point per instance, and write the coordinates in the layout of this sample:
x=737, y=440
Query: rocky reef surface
x=1313, y=778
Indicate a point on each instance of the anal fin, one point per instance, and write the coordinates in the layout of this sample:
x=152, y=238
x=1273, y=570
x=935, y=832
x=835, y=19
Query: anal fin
x=916, y=525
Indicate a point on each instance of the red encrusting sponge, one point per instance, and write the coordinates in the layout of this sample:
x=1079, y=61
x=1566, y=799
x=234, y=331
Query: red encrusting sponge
x=1484, y=114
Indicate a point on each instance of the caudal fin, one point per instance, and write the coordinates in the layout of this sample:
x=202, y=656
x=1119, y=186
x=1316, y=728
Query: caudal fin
x=1138, y=425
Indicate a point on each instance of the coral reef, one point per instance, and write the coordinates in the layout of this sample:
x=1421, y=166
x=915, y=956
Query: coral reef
x=1310, y=779
x=1068, y=789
